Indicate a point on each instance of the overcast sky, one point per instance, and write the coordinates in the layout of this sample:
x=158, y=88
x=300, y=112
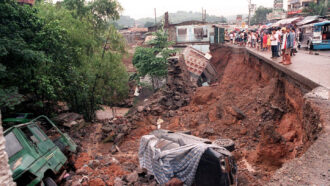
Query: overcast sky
x=145, y=8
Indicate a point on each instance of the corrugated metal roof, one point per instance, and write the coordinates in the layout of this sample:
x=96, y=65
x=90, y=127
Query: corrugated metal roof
x=307, y=20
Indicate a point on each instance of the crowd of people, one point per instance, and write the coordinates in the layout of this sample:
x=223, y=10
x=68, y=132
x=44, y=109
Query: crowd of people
x=280, y=41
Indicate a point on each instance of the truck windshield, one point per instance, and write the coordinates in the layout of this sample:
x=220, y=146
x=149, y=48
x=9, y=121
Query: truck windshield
x=13, y=146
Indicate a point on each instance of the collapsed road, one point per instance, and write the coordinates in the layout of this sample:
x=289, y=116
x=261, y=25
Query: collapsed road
x=274, y=119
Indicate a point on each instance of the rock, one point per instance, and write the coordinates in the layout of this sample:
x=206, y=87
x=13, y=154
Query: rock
x=209, y=131
x=129, y=166
x=119, y=138
x=93, y=163
x=140, y=108
x=76, y=183
x=171, y=113
x=69, y=119
x=114, y=161
x=236, y=112
x=132, y=178
x=289, y=136
x=243, y=132
x=97, y=182
x=174, y=182
x=177, y=98
x=118, y=182
x=81, y=171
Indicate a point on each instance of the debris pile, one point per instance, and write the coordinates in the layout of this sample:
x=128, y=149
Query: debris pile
x=69, y=119
x=176, y=94
x=138, y=177
x=115, y=130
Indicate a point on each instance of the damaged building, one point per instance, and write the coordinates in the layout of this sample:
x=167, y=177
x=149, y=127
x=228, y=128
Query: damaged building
x=195, y=38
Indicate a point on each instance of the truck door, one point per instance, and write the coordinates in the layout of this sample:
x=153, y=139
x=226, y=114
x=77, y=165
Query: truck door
x=44, y=143
x=54, y=157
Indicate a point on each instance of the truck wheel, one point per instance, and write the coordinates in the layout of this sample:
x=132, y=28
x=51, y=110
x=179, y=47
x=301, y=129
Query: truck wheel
x=49, y=182
x=226, y=143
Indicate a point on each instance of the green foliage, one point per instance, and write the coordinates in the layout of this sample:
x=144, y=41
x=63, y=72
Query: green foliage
x=124, y=21
x=153, y=61
x=62, y=52
x=260, y=17
x=149, y=24
x=316, y=9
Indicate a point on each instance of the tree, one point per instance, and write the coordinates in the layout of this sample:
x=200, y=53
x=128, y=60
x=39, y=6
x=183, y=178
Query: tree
x=149, y=24
x=153, y=61
x=320, y=8
x=53, y=53
x=260, y=17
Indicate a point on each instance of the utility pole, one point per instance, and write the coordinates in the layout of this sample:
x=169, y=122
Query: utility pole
x=155, y=17
x=202, y=14
x=249, y=19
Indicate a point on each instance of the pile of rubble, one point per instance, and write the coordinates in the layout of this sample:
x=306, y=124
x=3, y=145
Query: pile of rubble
x=176, y=94
x=115, y=130
x=138, y=177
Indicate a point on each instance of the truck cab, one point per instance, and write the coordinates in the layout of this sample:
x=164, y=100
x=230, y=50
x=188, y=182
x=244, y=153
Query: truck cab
x=36, y=151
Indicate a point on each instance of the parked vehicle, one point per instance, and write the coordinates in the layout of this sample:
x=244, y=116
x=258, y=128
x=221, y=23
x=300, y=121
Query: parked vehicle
x=18, y=118
x=316, y=36
x=36, y=152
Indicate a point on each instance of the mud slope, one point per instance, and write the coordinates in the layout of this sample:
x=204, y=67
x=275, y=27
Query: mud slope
x=260, y=108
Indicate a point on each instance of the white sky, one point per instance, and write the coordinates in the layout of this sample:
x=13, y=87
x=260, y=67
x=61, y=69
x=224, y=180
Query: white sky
x=145, y=8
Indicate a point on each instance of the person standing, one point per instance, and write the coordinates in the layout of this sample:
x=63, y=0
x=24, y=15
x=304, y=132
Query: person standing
x=283, y=45
x=264, y=42
x=273, y=40
x=253, y=39
x=279, y=35
x=286, y=46
x=293, y=41
x=258, y=41
x=268, y=42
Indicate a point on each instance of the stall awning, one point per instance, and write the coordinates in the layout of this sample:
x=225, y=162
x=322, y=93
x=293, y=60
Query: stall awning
x=308, y=20
x=284, y=22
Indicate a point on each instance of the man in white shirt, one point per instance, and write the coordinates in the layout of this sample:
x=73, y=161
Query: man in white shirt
x=274, y=43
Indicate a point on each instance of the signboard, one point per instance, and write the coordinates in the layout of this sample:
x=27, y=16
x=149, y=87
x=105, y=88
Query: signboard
x=294, y=12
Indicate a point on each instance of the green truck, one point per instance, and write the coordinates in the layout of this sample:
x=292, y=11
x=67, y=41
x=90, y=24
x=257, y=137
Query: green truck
x=17, y=118
x=36, y=152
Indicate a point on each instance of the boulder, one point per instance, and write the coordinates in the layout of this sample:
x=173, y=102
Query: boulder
x=132, y=178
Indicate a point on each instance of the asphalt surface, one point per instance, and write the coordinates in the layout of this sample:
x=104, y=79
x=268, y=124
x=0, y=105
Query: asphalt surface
x=307, y=66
